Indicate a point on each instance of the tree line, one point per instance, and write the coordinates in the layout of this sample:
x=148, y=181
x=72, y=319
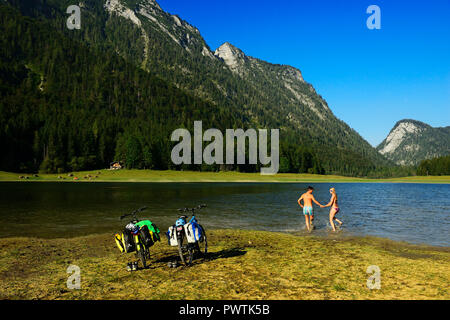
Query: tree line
x=434, y=167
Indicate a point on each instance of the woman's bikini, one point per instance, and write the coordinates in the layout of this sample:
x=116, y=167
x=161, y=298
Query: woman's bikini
x=335, y=206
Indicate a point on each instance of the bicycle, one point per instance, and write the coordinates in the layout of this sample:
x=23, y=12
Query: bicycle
x=190, y=236
x=144, y=234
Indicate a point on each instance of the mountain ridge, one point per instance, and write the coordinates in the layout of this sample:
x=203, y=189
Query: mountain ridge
x=411, y=141
x=226, y=49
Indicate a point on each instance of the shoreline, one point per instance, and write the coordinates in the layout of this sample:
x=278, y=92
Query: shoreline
x=339, y=236
x=241, y=264
x=152, y=176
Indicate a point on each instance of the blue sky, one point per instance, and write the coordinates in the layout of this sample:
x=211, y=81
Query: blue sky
x=370, y=78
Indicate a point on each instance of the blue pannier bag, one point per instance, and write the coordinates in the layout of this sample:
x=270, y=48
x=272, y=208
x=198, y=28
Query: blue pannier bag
x=194, y=232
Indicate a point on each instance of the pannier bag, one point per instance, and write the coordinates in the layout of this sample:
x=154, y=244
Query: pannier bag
x=127, y=241
x=118, y=238
x=193, y=232
x=172, y=236
x=149, y=231
x=148, y=237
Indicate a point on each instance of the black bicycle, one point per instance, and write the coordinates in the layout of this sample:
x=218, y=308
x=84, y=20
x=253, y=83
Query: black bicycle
x=190, y=236
x=142, y=233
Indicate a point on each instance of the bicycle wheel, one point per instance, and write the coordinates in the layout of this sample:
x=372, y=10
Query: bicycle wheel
x=186, y=253
x=190, y=254
x=141, y=251
x=180, y=251
x=141, y=255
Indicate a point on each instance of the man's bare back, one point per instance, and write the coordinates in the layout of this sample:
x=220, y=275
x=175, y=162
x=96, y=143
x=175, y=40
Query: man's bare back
x=307, y=199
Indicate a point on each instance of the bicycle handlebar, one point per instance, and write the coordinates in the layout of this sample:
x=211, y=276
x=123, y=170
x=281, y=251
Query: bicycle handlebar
x=133, y=213
x=200, y=206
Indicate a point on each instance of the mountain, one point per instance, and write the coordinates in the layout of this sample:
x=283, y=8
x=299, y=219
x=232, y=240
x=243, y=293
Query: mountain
x=258, y=93
x=411, y=141
x=65, y=106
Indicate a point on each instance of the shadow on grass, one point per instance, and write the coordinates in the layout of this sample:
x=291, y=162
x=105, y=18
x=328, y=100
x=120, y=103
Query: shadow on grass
x=223, y=254
x=210, y=256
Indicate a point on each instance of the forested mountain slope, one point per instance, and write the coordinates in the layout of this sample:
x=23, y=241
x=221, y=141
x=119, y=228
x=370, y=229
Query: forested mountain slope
x=65, y=106
x=259, y=94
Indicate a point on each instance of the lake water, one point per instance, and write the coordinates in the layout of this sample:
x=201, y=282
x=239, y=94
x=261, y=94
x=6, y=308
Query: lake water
x=416, y=213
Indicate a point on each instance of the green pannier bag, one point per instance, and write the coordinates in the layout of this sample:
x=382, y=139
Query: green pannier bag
x=152, y=234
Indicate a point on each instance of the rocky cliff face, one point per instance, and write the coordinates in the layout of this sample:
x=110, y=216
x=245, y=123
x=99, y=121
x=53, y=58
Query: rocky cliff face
x=240, y=63
x=286, y=80
x=411, y=141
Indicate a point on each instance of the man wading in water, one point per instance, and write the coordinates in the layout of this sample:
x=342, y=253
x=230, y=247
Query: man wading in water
x=307, y=206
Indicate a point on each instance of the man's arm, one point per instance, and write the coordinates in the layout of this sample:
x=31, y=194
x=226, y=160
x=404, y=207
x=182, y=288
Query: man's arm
x=315, y=201
x=299, y=201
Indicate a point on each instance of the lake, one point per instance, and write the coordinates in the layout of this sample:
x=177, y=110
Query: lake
x=416, y=213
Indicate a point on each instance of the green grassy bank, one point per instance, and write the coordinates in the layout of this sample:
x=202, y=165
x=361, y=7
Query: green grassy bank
x=240, y=265
x=190, y=176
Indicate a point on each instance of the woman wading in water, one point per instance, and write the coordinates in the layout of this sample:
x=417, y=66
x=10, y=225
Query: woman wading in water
x=334, y=208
